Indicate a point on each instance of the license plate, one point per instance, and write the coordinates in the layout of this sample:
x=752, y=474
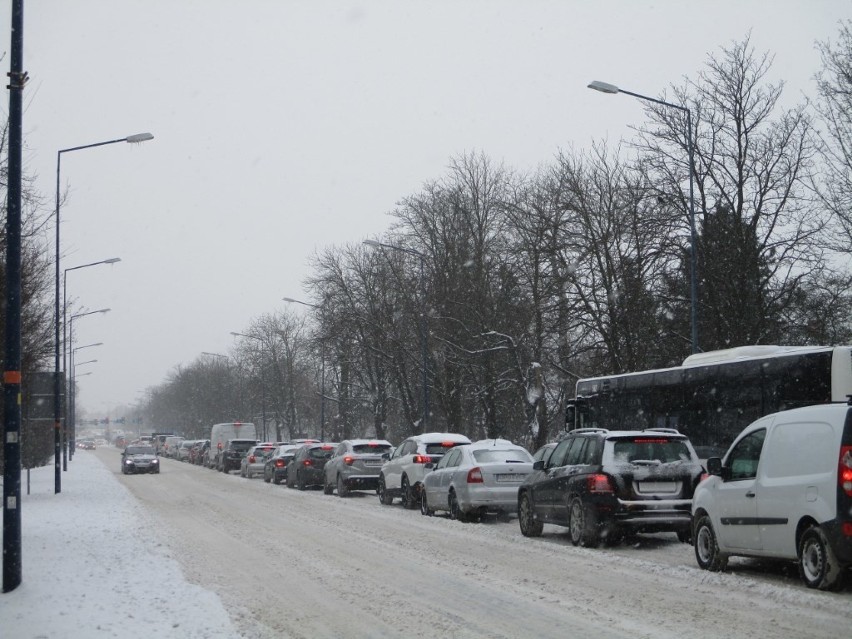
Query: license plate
x=657, y=486
x=511, y=477
x=373, y=462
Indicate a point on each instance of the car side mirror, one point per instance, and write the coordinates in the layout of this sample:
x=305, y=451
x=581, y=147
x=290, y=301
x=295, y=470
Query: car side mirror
x=430, y=466
x=714, y=466
x=539, y=465
x=386, y=456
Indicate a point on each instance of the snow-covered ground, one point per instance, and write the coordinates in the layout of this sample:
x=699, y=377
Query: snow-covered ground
x=93, y=566
x=196, y=553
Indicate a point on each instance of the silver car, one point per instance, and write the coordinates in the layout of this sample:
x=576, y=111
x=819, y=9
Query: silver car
x=255, y=459
x=471, y=481
x=355, y=465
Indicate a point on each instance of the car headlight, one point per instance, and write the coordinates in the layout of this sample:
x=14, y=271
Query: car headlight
x=156, y=461
x=128, y=461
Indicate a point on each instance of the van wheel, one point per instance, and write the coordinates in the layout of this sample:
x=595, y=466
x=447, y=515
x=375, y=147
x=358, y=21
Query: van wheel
x=707, y=552
x=818, y=566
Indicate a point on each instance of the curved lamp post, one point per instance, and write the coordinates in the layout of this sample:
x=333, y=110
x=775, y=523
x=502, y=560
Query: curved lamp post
x=112, y=260
x=424, y=336
x=57, y=384
x=605, y=87
x=262, y=379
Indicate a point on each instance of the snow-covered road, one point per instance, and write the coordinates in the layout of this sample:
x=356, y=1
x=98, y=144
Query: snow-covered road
x=301, y=564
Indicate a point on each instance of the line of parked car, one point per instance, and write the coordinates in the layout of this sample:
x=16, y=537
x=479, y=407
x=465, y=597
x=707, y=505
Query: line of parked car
x=783, y=490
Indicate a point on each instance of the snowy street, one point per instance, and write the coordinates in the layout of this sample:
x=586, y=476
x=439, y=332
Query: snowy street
x=286, y=563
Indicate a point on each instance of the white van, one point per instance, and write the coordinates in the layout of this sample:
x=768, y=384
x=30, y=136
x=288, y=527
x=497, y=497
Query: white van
x=783, y=490
x=221, y=433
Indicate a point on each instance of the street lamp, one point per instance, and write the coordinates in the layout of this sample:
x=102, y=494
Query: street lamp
x=112, y=260
x=57, y=385
x=262, y=378
x=322, y=367
x=71, y=341
x=605, y=87
x=423, y=328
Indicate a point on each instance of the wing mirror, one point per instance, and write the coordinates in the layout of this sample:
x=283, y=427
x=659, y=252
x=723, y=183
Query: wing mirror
x=539, y=465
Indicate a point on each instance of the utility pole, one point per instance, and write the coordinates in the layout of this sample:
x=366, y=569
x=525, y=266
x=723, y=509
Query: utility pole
x=12, y=365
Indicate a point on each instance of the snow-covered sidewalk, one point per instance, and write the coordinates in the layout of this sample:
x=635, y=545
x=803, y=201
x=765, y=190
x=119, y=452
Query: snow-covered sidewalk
x=94, y=567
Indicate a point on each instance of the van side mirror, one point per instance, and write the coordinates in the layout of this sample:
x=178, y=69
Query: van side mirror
x=714, y=466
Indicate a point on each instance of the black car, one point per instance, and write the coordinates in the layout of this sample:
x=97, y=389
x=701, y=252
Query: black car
x=139, y=459
x=233, y=453
x=308, y=466
x=605, y=484
x=275, y=468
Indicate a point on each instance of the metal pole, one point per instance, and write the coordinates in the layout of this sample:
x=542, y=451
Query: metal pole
x=12, y=341
x=57, y=410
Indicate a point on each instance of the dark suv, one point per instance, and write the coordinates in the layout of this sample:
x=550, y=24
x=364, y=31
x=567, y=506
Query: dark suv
x=604, y=484
x=233, y=453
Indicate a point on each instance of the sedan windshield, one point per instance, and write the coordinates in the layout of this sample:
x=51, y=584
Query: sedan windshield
x=139, y=450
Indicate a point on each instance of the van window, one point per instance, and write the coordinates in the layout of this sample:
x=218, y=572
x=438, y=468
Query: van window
x=800, y=448
x=745, y=455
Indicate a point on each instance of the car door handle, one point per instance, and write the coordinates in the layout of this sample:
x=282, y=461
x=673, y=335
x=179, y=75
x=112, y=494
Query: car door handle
x=750, y=494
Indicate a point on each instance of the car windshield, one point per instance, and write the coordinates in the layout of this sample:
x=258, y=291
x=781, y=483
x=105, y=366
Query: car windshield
x=371, y=448
x=653, y=449
x=501, y=455
x=139, y=450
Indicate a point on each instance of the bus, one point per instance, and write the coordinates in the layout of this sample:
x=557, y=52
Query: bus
x=714, y=395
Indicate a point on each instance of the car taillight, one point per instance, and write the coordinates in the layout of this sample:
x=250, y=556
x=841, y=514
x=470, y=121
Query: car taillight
x=308, y=462
x=474, y=476
x=279, y=463
x=348, y=460
x=422, y=459
x=599, y=483
x=251, y=459
x=847, y=528
x=844, y=473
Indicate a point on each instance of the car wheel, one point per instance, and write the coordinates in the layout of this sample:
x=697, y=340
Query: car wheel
x=266, y=478
x=407, y=495
x=706, y=545
x=327, y=488
x=424, y=504
x=242, y=472
x=818, y=566
x=455, y=511
x=582, y=524
x=300, y=481
x=342, y=490
x=384, y=498
x=526, y=518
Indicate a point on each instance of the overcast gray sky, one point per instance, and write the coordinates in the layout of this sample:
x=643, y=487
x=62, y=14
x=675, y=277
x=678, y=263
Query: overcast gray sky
x=282, y=127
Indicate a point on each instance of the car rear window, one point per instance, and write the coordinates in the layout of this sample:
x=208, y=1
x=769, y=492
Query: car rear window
x=654, y=449
x=321, y=453
x=241, y=445
x=371, y=448
x=441, y=448
x=505, y=455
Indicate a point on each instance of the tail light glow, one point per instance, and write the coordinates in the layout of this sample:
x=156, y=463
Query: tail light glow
x=252, y=459
x=422, y=459
x=308, y=462
x=599, y=483
x=279, y=463
x=348, y=460
x=844, y=472
x=474, y=475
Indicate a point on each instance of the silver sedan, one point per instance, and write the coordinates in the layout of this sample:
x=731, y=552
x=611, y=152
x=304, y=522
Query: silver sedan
x=471, y=481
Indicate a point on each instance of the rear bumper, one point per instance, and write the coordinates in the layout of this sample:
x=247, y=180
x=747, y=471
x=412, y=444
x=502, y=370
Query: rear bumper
x=652, y=515
x=361, y=482
x=494, y=499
